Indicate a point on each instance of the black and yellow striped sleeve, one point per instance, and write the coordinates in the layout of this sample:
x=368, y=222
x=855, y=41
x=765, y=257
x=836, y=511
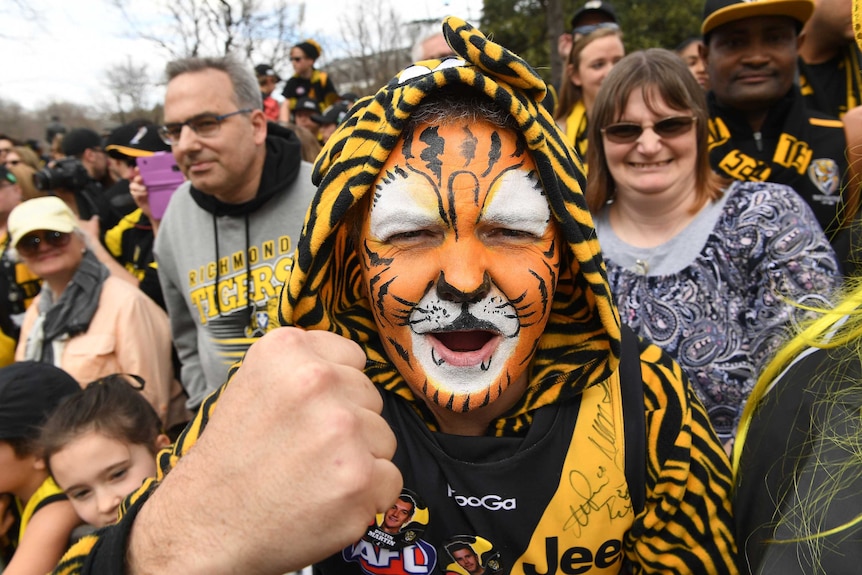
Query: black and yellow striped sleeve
x=687, y=524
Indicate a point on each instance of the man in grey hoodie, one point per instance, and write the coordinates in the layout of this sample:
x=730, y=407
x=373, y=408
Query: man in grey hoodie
x=225, y=245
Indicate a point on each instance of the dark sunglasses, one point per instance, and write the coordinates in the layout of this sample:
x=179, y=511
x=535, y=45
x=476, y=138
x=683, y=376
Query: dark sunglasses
x=588, y=28
x=29, y=245
x=628, y=132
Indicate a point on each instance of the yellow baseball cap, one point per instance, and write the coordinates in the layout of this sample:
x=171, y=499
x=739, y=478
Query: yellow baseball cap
x=48, y=213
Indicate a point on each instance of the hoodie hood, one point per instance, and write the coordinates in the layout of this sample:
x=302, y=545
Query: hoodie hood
x=581, y=343
x=281, y=167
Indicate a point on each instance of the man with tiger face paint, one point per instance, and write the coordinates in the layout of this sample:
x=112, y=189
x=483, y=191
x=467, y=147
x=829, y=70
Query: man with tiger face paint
x=450, y=245
x=460, y=258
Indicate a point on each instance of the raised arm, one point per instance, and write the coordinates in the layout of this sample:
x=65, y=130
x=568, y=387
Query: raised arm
x=292, y=467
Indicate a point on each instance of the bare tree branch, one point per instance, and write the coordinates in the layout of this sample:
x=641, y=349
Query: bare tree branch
x=249, y=28
x=129, y=85
x=375, y=46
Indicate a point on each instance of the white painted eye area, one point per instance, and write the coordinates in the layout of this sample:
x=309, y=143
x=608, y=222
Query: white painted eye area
x=518, y=208
x=396, y=218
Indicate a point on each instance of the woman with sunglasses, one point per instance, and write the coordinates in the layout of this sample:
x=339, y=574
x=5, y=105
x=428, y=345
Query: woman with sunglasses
x=597, y=48
x=85, y=321
x=711, y=271
x=307, y=81
x=23, y=155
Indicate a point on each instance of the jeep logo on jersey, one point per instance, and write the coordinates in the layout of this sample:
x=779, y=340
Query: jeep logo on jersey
x=417, y=559
x=576, y=560
x=490, y=502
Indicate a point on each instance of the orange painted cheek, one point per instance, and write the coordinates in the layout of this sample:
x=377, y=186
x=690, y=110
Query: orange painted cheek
x=520, y=271
x=412, y=272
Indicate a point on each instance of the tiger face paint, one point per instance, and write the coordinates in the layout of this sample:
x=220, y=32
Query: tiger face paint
x=460, y=261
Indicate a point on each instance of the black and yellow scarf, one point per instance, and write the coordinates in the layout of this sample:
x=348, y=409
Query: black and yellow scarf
x=576, y=128
x=795, y=146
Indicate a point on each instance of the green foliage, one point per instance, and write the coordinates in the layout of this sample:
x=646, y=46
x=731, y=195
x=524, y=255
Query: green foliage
x=658, y=23
x=521, y=25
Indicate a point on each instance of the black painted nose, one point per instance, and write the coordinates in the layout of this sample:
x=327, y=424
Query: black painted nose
x=448, y=292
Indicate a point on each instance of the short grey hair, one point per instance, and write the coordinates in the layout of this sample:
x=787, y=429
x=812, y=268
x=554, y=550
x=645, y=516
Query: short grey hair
x=245, y=88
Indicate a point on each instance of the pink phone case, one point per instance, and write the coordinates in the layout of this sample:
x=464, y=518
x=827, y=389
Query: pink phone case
x=162, y=177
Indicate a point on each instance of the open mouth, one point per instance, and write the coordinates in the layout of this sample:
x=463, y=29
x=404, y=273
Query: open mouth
x=464, y=340
x=464, y=348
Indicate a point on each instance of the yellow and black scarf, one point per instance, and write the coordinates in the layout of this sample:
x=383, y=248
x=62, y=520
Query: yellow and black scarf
x=797, y=147
x=576, y=128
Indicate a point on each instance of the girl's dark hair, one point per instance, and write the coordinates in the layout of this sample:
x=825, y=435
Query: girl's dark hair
x=23, y=446
x=310, y=48
x=686, y=43
x=110, y=406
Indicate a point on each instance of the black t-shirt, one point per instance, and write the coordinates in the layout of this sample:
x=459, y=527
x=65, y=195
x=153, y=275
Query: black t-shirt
x=120, y=198
x=829, y=87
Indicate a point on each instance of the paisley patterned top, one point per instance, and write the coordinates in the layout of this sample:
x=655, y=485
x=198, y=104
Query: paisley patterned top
x=724, y=311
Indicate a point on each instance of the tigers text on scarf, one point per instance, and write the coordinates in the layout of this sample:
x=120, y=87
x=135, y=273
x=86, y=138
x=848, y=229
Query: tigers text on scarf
x=795, y=146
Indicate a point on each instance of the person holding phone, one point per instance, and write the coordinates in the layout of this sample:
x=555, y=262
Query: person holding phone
x=127, y=248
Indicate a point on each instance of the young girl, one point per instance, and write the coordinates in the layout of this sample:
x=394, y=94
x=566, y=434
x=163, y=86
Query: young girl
x=592, y=57
x=100, y=445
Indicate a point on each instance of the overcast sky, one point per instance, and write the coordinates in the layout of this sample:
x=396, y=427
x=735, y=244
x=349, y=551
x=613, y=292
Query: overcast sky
x=60, y=50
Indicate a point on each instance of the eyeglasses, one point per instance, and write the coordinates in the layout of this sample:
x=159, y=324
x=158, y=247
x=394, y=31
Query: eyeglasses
x=204, y=125
x=588, y=28
x=628, y=132
x=28, y=246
